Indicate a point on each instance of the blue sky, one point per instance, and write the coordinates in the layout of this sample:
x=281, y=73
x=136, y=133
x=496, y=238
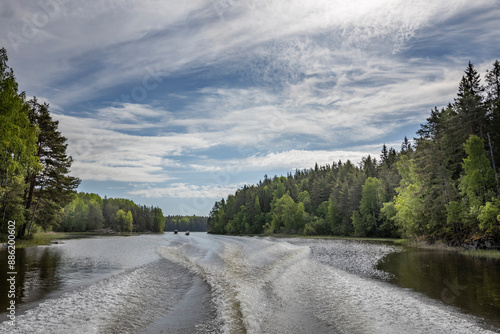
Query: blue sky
x=178, y=104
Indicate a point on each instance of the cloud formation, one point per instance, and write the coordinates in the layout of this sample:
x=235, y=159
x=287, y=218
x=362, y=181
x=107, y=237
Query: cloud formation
x=163, y=92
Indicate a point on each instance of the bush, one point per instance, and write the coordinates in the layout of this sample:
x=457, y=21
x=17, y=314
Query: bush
x=309, y=230
x=489, y=215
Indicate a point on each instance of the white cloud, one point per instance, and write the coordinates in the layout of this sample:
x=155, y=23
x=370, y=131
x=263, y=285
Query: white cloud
x=273, y=82
x=122, y=39
x=184, y=190
x=286, y=160
x=100, y=152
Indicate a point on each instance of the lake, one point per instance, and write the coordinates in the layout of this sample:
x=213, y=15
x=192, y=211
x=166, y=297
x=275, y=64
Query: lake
x=220, y=284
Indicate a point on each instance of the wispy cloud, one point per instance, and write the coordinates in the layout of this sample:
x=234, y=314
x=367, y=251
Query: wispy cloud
x=157, y=92
x=183, y=190
x=286, y=160
x=119, y=39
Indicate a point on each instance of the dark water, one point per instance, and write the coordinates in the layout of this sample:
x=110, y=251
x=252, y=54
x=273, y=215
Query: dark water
x=469, y=283
x=49, y=271
x=102, y=285
x=37, y=275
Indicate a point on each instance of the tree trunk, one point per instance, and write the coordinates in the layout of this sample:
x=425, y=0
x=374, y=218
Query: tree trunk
x=27, y=204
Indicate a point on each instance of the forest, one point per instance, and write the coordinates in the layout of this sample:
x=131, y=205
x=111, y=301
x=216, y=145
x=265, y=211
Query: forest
x=90, y=212
x=186, y=223
x=443, y=185
x=36, y=190
x=34, y=168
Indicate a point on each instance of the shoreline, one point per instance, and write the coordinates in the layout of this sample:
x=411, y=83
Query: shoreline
x=438, y=245
x=49, y=238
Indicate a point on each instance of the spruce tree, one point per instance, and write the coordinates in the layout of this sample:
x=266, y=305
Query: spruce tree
x=469, y=103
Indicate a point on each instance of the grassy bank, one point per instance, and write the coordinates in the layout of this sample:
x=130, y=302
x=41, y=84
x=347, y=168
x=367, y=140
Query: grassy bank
x=439, y=245
x=47, y=238
x=43, y=238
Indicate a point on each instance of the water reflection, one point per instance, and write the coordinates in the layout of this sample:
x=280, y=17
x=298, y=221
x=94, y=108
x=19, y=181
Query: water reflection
x=470, y=283
x=37, y=274
x=49, y=271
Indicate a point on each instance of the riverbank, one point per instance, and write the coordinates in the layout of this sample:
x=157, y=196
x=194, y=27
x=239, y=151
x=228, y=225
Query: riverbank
x=47, y=238
x=39, y=239
x=438, y=245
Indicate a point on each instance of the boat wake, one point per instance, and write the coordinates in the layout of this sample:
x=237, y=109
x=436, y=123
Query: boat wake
x=220, y=284
x=264, y=285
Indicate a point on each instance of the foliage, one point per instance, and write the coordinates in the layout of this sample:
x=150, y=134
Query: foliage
x=367, y=219
x=90, y=212
x=318, y=201
x=476, y=183
x=443, y=185
x=184, y=223
x=489, y=216
x=34, y=168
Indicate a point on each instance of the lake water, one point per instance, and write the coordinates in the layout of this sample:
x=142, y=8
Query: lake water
x=469, y=283
x=218, y=284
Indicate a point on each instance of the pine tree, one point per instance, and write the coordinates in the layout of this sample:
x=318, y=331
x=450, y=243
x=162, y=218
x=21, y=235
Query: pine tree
x=51, y=188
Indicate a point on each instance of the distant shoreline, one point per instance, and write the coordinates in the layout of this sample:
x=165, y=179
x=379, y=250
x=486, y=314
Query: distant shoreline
x=48, y=238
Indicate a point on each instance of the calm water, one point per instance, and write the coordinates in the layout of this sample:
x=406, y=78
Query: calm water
x=204, y=283
x=470, y=283
x=49, y=271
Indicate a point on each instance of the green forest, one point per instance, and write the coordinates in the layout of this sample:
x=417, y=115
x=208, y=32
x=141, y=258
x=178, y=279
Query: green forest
x=90, y=212
x=186, y=223
x=36, y=190
x=34, y=168
x=443, y=185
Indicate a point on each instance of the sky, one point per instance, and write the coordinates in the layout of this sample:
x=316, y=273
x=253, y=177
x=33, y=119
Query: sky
x=177, y=104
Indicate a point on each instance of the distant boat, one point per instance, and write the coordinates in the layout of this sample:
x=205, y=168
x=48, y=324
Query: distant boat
x=187, y=232
x=175, y=231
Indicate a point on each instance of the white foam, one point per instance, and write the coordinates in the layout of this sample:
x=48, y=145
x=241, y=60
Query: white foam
x=124, y=303
x=261, y=285
x=258, y=285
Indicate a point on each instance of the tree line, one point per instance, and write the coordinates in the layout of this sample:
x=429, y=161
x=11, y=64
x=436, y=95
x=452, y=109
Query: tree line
x=186, y=223
x=444, y=185
x=34, y=168
x=90, y=212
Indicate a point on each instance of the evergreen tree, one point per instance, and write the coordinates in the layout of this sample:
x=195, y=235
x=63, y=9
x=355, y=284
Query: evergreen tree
x=432, y=188
x=384, y=155
x=50, y=188
x=469, y=103
x=405, y=146
x=493, y=104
